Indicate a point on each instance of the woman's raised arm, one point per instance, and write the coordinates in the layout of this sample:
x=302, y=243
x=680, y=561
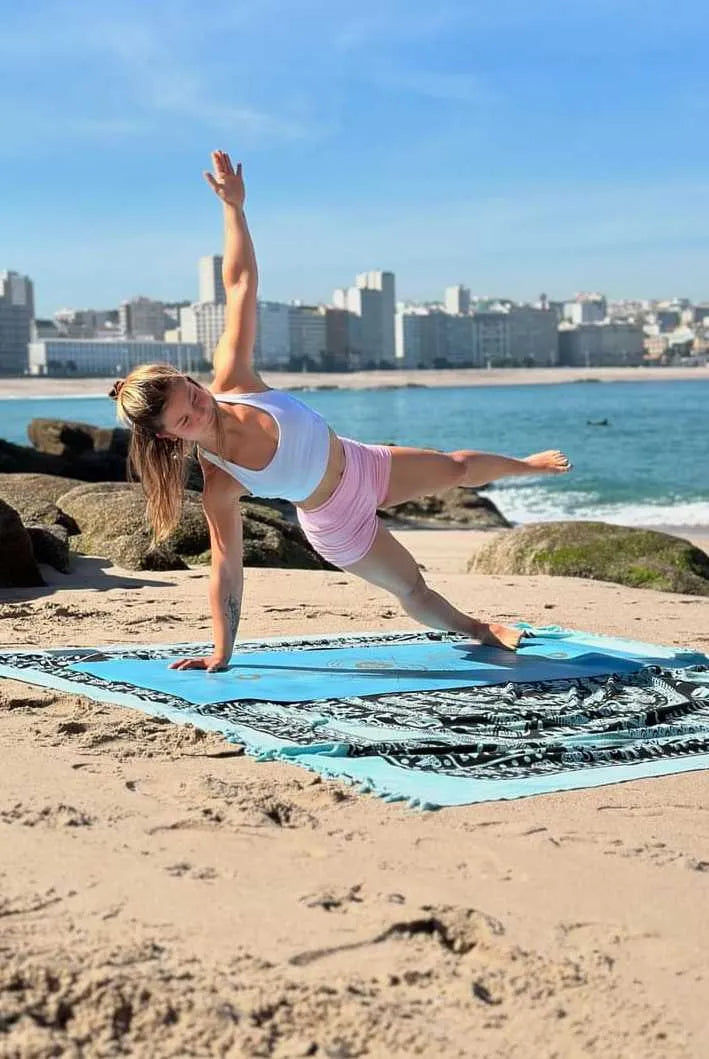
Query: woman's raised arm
x=233, y=356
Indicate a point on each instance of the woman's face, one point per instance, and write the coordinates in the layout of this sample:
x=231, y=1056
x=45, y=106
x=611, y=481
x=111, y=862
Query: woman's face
x=188, y=411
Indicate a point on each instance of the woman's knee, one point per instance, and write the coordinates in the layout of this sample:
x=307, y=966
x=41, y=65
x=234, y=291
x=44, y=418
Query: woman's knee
x=414, y=591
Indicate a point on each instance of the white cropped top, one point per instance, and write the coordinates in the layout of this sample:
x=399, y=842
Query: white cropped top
x=300, y=459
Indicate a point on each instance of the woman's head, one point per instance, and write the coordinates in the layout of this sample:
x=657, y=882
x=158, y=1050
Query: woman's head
x=158, y=399
x=167, y=412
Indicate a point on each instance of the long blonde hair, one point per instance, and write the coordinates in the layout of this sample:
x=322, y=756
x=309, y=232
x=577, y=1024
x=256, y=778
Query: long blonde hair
x=161, y=464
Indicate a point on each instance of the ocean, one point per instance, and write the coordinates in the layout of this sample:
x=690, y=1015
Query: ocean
x=648, y=465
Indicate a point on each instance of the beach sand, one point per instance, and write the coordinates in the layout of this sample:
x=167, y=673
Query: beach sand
x=32, y=386
x=163, y=895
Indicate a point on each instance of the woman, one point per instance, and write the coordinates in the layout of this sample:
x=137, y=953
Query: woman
x=287, y=450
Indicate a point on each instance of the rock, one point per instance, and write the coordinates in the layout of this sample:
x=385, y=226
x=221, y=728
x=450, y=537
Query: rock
x=458, y=507
x=87, y=467
x=18, y=567
x=639, y=558
x=59, y=437
x=50, y=544
x=84, y=465
x=112, y=522
x=34, y=497
x=271, y=540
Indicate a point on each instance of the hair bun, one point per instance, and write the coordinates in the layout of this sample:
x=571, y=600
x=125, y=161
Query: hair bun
x=116, y=389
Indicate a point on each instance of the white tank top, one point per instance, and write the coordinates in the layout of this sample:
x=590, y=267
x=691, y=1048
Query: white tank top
x=300, y=460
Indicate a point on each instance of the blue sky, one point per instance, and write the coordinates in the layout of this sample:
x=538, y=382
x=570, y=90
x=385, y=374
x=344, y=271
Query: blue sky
x=514, y=147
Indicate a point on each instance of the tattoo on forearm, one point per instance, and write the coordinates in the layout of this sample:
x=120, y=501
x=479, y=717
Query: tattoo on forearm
x=233, y=612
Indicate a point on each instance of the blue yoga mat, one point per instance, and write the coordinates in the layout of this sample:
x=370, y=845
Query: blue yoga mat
x=341, y=671
x=419, y=716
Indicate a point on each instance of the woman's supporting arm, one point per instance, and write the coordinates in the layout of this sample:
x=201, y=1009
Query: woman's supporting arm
x=226, y=588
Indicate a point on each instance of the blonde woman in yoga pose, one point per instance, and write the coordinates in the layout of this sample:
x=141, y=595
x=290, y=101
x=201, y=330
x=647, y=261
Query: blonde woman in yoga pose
x=254, y=440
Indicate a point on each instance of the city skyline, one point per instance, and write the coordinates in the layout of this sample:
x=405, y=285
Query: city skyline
x=363, y=328
x=512, y=149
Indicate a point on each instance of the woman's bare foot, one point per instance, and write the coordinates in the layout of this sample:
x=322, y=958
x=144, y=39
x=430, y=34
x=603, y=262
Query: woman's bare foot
x=500, y=636
x=550, y=462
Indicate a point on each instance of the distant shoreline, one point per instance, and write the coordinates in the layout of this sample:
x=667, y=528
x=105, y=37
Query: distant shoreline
x=29, y=387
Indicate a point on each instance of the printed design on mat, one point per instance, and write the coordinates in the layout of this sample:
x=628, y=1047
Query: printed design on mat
x=500, y=732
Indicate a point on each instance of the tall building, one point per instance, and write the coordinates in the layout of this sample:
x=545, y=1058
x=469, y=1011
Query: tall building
x=384, y=283
x=457, y=300
x=141, y=318
x=16, y=316
x=211, y=285
x=372, y=300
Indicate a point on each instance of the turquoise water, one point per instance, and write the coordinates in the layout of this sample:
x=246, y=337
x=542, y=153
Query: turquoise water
x=648, y=467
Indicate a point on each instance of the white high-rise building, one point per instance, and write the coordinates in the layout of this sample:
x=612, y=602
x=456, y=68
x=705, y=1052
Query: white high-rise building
x=372, y=300
x=211, y=284
x=16, y=316
x=457, y=300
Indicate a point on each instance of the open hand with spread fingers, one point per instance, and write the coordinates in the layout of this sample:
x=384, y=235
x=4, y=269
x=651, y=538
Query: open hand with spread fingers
x=226, y=183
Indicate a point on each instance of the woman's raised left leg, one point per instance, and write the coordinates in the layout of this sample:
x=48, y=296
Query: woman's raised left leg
x=418, y=472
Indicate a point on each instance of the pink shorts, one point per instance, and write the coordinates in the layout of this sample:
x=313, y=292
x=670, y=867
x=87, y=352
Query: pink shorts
x=342, y=529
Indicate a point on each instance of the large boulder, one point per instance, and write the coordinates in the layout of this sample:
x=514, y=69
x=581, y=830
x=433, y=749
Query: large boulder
x=34, y=497
x=112, y=523
x=18, y=567
x=455, y=507
x=111, y=520
x=637, y=557
x=272, y=540
x=61, y=437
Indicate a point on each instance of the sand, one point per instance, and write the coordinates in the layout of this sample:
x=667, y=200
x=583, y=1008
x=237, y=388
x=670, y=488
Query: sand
x=34, y=387
x=161, y=894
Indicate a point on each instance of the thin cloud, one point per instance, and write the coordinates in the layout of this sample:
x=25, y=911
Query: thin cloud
x=147, y=69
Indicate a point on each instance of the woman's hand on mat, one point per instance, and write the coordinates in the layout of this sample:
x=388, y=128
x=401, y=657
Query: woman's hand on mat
x=212, y=664
x=226, y=183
